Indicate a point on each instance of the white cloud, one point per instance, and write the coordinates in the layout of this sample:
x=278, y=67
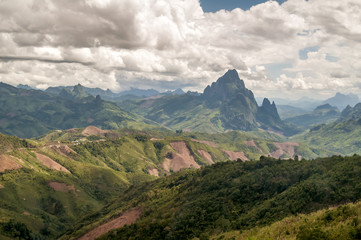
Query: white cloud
x=161, y=43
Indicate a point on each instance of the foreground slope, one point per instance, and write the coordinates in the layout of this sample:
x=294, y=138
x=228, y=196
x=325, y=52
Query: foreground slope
x=341, y=222
x=233, y=195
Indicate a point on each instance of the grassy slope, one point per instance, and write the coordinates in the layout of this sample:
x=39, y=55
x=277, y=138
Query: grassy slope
x=179, y=112
x=100, y=171
x=342, y=222
x=341, y=137
x=232, y=195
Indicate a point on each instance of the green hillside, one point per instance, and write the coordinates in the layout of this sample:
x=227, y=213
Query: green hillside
x=75, y=172
x=50, y=183
x=230, y=196
x=342, y=222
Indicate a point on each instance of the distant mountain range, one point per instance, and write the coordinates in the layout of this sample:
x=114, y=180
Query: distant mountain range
x=308, y=104
x=322, y=114
x=30, y=113
x=224, y=105
x=342, y=136
x=133, y=93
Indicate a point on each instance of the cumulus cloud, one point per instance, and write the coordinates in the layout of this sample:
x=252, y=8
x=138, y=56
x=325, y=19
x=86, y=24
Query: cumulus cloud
x=168, y=44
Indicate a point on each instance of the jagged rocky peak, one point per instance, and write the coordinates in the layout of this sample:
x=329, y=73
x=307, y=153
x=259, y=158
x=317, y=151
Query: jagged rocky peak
x=226, y=87
x=269, y=109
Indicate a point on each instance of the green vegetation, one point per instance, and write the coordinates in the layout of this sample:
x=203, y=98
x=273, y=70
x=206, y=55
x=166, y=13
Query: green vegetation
x=101, y=167
x=342, y=222
x=232, y=196
x=31, y=113
x=340, y=137
x=8, y=143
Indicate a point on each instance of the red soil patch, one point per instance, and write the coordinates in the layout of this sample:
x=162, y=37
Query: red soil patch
x=61, y=187
x=251, y=143
x=50, y=163
x=206, y=156
x=153, y=172
x=1, y=186
x=128, y=217
x=209, y=143
x=63, y=150
x=233, y=156
x=7, y=163
x=284, y=148
x=181, y=159
x=92, y=130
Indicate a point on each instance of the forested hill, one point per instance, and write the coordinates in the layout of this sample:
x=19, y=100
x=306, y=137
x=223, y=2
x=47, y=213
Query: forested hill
x=230, y=196
x=31, y=113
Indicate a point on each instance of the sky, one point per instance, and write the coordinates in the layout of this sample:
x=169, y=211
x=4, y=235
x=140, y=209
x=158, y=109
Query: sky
x=285, y=49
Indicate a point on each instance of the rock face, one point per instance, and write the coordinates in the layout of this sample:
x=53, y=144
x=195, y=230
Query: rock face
x=226, y=87
x=238, y=107
x=237, y=104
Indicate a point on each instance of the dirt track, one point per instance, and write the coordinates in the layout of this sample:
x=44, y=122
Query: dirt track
x=126, y=218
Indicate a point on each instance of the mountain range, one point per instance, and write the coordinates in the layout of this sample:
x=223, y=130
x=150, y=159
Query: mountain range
x=31, y=113
x=224, y=105
x=132, y=93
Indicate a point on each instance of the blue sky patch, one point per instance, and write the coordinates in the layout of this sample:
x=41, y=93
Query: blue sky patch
x=303, y=52
x=216, y=5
